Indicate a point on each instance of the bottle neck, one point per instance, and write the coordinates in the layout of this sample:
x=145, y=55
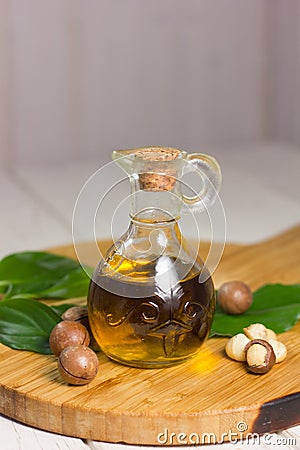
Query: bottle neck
x=150, y=233
x=153, y=217
x=154, y=206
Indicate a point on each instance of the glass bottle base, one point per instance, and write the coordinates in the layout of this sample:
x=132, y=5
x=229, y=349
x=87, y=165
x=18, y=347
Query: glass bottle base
x=158, y=364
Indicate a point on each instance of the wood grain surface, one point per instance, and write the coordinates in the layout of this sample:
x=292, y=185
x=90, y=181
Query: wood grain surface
x=208, y=397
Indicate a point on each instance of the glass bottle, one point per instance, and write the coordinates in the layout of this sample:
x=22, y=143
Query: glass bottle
x=151, y=300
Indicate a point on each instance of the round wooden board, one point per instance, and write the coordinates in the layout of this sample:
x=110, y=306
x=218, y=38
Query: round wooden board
x=207, y=399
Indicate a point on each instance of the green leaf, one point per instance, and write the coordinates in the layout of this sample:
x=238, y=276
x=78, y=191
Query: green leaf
x=60, y=309
x=42, y=275
x=272, y=295
x=26, y=324
x=277, y=306
x=73, y=284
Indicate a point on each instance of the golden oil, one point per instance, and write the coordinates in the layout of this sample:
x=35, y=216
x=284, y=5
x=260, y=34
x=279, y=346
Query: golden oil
x=142, y=324
x=151, y=300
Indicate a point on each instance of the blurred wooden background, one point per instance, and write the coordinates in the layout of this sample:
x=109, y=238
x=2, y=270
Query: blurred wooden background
x=80, y=78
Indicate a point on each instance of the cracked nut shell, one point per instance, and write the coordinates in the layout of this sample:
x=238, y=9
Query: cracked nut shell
x=68, y=333
x=76, y=314
x=80, y=314
x=260, y=356
x=78, y=364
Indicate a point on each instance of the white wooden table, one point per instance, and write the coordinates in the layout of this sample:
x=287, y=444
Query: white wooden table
x=261, y=197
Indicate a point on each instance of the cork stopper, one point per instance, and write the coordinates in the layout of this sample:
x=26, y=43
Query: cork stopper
x=158, y=174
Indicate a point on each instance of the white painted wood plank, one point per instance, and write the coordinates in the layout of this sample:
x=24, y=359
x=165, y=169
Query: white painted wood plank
x=26, y=223
x=289, y=438
x=69, y=180
x=295, y=430
x=87, y=79
x=7, y=93
x=195, y=88
x=284, y=72
x=17, y=436
x=297, y=90
x=275, y=165
x=259, y=191
x=41, y=79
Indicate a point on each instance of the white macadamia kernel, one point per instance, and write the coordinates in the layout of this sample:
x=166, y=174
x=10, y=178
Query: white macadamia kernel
x=279, y=350
x=256, y=331
x=235, y=347
x=256, y=355
x=259, y=347
x=271, y=334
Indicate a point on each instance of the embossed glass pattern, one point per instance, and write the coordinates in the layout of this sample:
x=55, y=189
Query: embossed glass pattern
x=147, y=307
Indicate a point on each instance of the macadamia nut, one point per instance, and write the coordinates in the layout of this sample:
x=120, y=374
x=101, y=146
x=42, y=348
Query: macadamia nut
x=258, y=346
x=234, y=297
x=67, y=333
x=279, y=350
x=78, y=364
x=271, y=334
x=260, y=356
x=256, y=331
x=235, y=347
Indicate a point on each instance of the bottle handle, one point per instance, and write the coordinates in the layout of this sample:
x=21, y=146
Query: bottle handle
x=210, y=173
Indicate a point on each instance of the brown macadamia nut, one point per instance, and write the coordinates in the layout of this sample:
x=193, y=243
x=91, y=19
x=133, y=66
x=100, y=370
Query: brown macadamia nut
x=260, y=356
x=68, y=333
x=80, y=314
x=78, y=364
x=234, y=297
x=76, y=314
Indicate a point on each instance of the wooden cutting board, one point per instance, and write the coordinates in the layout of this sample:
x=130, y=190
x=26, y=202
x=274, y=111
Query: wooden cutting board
x=207, y=399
